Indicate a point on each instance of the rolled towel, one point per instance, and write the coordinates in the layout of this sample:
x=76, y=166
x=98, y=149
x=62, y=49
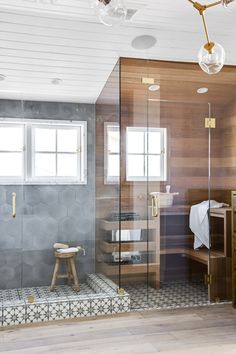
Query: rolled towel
x=60, y=245
x=68, y=250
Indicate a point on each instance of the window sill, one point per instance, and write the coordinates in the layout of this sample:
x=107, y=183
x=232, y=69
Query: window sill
x=30, y=183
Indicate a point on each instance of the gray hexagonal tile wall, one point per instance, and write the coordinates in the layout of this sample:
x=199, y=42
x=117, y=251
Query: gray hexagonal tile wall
x=47, y=213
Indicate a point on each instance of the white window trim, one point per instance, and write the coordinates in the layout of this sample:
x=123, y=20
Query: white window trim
x=15, y=179
x=163, y=155
x=28, y=155
x=109, y=179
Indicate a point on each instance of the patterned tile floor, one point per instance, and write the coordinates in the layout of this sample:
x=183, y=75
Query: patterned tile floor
x=44, y=293
x=170, y=295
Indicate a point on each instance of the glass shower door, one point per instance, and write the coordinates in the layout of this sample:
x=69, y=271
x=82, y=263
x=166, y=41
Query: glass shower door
x=177, y=180
x=11, y=205
x=221, y=221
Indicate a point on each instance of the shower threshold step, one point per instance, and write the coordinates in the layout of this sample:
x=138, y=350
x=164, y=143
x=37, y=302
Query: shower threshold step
x=98, y=296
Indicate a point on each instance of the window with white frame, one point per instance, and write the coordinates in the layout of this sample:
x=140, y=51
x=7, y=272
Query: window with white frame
x=112, y=152
x=145, y=154
x=42, y=152
x=12, y=154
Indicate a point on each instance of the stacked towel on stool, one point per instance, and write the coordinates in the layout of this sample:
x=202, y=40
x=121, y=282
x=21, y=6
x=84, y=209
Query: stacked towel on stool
x=63, y=248
x=68, y=250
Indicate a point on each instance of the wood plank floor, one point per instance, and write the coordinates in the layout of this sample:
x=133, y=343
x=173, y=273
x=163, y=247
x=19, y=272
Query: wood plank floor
x=205, y=330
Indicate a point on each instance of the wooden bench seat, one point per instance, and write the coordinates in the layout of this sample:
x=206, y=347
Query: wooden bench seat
x=201, y=255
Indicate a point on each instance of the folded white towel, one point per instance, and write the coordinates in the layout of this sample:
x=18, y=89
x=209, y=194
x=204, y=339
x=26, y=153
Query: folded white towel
x=199, y=223
x=68, y=250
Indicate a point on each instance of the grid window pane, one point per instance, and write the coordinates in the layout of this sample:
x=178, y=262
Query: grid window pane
x=154, y=166
x=113, y=141
x=67, y=140
x=45, y=139
x=113, y=169
x=135, y=166
x=135, y=142
x=11, y=164
x=67, y=165
x=154, y=142
x=45, y=165
x=11, y=138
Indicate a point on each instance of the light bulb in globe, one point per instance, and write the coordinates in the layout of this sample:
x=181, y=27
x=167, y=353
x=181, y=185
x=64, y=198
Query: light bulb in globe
x=211, y=58
x=110, y=12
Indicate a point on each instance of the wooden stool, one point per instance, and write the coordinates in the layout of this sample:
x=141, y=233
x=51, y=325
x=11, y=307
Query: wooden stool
x=71, y=270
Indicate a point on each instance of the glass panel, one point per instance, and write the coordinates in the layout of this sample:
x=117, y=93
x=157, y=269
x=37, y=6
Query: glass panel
x=11, y=164
x=222, y=182
x=154, y=142
x=113, y=165
x=154, y=166
x=45, y=139
x=11, y=138
x=134, y=205
x=113, y=141
x=135, y=166
x=45, y=165
x=107, y=250
x=11, y=221
x=67, y=165
x=135, y=142
x=67, y=140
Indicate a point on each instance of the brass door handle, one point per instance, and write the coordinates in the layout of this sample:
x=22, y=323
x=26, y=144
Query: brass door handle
x=13, y=204
x=154, y=206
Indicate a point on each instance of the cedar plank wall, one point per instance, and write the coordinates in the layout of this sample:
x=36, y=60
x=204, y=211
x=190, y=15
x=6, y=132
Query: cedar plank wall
x=187, y=136
x=187, y=143
x=187, y=155
x=227, y=126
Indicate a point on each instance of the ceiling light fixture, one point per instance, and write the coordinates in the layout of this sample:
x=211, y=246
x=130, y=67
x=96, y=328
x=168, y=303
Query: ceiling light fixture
x=202, y=90
x=143, y=42
x=154, y=88
x=109, y=12
x=56, y=81
x=211, y=56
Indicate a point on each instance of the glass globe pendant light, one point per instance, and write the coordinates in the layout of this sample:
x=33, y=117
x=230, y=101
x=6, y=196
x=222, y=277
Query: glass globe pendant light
x=211, y=58
x=109, y=12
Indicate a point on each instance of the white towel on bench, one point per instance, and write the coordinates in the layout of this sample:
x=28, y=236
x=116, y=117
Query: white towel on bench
x=199, y=223
x=68, y=250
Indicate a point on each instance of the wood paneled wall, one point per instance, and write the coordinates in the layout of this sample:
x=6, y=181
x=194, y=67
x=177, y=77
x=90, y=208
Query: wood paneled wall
x=177, y=107
x=187, y=137
x=227, y=166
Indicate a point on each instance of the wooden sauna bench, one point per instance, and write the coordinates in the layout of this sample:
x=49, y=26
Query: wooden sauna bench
x=217, y=260
x=201, y=255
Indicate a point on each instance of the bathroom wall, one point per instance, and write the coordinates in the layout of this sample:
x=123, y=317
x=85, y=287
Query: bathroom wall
x=47, y=213
x=227, y=167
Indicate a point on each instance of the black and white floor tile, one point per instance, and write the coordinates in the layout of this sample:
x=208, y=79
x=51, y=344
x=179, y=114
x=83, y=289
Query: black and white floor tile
x=96, y=297
x=44, y=293
x=170, y=295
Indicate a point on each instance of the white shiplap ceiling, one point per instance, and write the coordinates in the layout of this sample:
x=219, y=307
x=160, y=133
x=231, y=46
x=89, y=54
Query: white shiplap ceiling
x=40, y=41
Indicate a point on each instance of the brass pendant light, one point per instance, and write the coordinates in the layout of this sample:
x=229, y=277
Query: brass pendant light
x=211, y=56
